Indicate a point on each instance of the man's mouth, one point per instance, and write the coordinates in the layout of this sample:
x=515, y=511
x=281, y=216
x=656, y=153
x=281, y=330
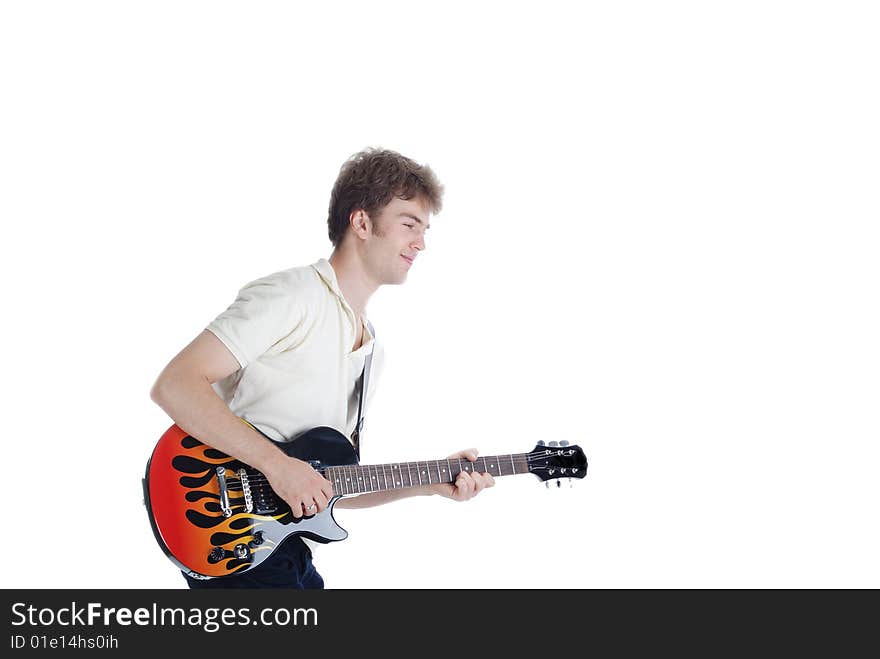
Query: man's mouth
x=407, y=259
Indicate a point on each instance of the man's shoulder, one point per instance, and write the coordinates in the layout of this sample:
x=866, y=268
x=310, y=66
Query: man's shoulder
x=298, y=280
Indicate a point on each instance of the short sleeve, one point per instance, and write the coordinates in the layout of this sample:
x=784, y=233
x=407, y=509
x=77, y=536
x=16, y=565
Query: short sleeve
x=264, y=312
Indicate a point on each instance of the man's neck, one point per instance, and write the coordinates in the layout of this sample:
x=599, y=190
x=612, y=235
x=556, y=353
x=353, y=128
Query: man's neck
x=356, y=286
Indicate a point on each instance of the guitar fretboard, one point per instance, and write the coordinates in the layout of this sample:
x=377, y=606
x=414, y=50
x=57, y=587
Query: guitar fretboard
x=360, y=479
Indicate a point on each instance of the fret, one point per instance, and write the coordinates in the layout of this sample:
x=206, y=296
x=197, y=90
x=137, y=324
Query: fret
x=439, y=477
x=328, y=474
x=374, y=480
x=362, y=484
x=513, y=465
x=337, y=486
x=352, y=481
x=419, y=472
x=337, y=478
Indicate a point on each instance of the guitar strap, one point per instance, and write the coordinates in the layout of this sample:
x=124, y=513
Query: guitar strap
x=363, y=383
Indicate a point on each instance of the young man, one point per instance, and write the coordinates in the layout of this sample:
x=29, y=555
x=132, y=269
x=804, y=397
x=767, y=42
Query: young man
x=288, y=353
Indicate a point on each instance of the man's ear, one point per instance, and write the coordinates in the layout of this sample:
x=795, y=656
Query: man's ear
x=360, y=223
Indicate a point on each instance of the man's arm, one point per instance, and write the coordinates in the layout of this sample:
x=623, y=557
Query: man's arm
x=467, y=485
x=183, y=390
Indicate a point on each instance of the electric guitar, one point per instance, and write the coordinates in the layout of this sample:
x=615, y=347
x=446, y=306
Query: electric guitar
x=215, y=516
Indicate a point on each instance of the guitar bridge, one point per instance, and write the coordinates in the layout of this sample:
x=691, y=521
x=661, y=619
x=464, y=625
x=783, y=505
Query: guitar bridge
x=246, y=490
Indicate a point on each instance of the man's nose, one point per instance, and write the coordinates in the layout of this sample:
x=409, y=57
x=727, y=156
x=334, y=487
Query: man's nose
x=419, y=243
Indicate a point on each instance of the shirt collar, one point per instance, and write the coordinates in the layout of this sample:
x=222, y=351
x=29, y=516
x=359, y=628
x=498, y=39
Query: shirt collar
x=328, y=274
x=325, y=270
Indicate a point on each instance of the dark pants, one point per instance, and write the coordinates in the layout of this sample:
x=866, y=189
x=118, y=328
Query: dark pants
x=290, y=566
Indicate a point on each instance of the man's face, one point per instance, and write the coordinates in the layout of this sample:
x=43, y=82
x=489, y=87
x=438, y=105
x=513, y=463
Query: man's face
x=397, y=237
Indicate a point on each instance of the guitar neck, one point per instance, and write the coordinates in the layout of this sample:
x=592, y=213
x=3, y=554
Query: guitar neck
x=360, y=479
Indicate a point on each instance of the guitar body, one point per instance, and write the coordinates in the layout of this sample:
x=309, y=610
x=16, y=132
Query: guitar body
x=215, y=516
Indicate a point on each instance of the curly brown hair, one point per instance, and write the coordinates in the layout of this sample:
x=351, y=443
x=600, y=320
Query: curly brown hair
x=370, y=179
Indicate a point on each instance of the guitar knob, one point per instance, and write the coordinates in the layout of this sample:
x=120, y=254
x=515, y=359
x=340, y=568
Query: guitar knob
x=241, y=550
x=217, y=554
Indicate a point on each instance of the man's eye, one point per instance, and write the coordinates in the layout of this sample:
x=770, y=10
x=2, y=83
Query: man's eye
x=409, y=225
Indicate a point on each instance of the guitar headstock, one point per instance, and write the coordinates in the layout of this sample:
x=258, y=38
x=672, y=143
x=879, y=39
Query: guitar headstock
x=557, y=460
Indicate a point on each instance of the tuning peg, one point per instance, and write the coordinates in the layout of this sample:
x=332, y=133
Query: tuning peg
x=571, y=482
x=554, y=443
x=547, y=484
x=563, y=443
x=540, y=442
x=558, y=483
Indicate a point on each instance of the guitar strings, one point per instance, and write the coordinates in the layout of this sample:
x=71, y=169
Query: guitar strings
x=260, y=479
x=500, y=458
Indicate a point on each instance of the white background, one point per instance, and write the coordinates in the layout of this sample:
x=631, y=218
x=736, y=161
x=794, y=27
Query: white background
x=659, y=242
